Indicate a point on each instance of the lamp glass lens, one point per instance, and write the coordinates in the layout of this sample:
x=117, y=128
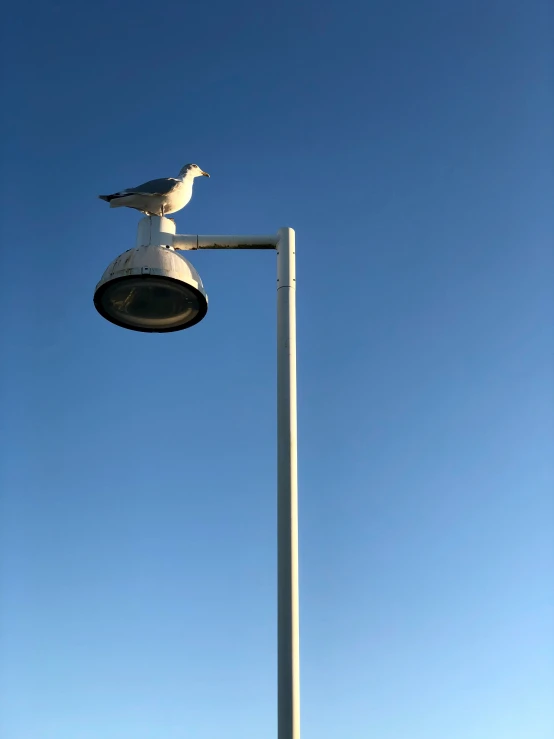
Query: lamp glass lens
x=151, y=302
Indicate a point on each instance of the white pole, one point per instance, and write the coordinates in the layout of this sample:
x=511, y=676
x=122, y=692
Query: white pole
x=288, y=646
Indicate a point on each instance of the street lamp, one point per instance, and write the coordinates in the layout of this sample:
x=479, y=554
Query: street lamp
x=153, y=289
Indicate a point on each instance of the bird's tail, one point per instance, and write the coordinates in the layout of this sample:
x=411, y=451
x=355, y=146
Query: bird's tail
x=107, y=198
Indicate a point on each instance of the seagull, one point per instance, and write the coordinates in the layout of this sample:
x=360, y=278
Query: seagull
x=158, y=197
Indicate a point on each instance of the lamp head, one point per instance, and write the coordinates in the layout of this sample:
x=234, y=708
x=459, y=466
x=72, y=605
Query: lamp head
x=151, y=289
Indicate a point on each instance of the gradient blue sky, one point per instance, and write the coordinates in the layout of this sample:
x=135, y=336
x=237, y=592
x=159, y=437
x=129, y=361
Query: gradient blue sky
x=410, y=145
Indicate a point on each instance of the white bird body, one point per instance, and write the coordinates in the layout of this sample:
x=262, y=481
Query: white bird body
x=159, y=197
x=172, y=201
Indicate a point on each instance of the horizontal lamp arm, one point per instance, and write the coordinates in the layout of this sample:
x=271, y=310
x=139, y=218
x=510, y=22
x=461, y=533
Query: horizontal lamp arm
x=188, y=242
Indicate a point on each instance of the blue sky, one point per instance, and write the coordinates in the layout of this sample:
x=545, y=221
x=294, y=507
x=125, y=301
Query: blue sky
x=410, y=146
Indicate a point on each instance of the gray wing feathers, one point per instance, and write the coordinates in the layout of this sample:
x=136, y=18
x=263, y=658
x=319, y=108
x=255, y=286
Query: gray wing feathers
x=162, y=186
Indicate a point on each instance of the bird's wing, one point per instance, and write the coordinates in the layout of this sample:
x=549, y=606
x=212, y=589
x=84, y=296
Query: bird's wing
x=163, y=186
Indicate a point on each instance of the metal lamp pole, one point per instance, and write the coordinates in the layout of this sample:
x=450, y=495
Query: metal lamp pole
x=287, y=479
x=287, y=492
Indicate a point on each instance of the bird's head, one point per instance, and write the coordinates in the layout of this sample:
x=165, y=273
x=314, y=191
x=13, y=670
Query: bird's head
x=192, y=170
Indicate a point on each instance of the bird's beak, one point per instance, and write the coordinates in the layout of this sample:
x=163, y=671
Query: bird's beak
x=205, y=173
